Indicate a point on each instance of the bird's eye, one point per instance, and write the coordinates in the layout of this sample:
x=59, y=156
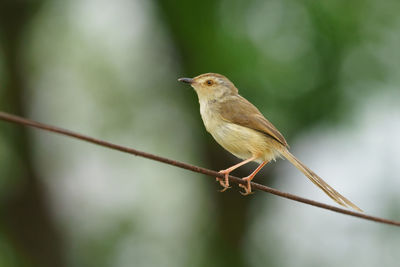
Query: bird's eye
x=209, y=82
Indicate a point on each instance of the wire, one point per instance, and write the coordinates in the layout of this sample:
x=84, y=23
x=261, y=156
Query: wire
x=19, y=120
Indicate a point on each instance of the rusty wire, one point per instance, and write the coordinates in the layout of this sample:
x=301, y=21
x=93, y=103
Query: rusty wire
x=19, y=120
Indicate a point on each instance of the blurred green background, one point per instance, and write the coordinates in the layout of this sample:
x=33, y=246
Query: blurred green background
x=326, y=73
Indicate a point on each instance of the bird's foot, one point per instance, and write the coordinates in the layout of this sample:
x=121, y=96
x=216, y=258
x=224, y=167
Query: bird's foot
x=224, y=182
x=247, y=187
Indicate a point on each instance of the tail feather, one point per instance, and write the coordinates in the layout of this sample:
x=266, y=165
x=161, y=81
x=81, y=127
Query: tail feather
x=332, y=193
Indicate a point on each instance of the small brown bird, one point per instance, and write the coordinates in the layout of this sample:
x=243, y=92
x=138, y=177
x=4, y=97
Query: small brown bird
x=239, y=127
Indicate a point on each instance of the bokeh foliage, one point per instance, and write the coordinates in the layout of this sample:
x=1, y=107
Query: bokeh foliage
x=303, y=63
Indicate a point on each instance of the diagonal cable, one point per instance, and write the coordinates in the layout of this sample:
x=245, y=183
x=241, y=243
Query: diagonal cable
x=19, y=120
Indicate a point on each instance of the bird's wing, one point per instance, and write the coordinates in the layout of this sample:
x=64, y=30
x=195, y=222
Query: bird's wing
x=240, y=111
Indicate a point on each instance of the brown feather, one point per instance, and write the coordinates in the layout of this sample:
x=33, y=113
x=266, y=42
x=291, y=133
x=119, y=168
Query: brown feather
x=238, y=110
x=332, y=193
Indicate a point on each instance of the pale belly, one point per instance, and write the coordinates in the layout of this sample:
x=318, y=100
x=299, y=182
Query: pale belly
x=241, y=141
x=244, y=142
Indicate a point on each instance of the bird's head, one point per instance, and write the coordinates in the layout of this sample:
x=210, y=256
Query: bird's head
x=211, y=86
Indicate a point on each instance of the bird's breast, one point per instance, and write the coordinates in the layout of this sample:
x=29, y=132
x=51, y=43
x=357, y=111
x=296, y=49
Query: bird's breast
x=241, y=141
x=209, y=115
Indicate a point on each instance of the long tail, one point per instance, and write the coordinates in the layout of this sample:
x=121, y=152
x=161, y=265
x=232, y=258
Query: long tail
x=332, y=193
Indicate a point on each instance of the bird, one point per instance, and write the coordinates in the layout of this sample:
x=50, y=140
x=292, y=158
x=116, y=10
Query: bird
x=240, y=128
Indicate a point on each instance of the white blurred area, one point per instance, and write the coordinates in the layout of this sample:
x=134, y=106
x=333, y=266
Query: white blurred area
x=146, y=210
x=151, y=210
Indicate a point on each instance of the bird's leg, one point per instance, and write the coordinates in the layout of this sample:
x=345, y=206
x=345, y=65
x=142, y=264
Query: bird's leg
x=248, y=179
x=225, y=182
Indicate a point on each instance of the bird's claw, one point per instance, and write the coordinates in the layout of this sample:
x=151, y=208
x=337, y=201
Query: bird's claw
x=223, y=182
x=246, y=193
x=224, y=189
x=247, y=188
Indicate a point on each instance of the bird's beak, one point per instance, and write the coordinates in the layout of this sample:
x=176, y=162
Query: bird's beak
x=186, y=80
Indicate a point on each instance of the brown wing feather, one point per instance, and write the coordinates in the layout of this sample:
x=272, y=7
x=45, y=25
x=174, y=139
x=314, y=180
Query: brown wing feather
x=240, y=111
